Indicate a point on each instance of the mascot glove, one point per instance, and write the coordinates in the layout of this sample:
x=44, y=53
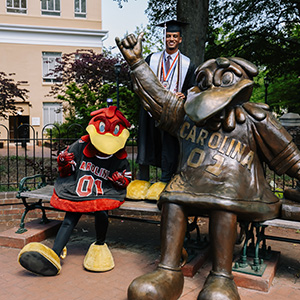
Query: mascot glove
x=119, y=180
x=66, y=163
x=65, y=158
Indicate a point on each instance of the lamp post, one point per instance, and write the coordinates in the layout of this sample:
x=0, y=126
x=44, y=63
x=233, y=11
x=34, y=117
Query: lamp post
x=117, y=72
x=266, y=82
x=109, y=102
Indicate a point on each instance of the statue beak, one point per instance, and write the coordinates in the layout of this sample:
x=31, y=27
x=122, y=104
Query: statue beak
x=201, y=105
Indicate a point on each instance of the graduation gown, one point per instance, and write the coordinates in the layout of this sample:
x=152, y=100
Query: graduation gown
x=154, y=145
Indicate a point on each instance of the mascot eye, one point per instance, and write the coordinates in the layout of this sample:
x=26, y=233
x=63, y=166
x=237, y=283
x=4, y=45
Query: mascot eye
x=227, y=79
x=117, y=129
x=102, y=127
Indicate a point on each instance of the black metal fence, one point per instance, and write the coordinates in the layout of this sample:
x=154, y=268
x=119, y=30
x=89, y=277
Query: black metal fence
x=25, y=154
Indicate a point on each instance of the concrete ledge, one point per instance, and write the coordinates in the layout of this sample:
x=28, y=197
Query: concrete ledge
x=36, y=232
x=191, y=268
x=259, y=283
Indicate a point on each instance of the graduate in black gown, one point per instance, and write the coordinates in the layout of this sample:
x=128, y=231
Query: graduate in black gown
x=176, y=72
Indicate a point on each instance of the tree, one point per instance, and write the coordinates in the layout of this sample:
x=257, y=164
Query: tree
x=193, y=12
x=258, y=30
x=10, y=91
x=87, y=67
x=266, y=33
x=85, y=80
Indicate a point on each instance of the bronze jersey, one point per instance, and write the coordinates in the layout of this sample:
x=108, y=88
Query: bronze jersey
x=223, y=170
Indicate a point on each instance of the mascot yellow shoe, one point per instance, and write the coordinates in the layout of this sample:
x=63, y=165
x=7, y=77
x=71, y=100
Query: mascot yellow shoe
x=98, y=259
x=137, y=189
x=39, y=259
x=155, y=190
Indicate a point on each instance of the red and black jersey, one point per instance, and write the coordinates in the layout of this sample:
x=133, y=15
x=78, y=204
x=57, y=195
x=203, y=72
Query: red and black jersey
x=88, y=188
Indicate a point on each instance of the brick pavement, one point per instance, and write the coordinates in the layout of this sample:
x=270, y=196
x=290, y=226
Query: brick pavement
x=135, y=248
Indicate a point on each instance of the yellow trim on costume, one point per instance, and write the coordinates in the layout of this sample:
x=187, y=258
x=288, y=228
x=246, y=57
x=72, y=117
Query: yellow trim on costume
x=107, y=143
x=137, y=189
x=98, y=259
x=48, y=253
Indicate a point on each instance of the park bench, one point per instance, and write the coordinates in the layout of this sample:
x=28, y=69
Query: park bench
x=255, y=251
x=35, y=193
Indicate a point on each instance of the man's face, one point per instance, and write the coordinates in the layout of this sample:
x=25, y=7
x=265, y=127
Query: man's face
x=173, y=39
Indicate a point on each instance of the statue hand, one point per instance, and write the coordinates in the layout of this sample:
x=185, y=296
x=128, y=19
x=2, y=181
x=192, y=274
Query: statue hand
x=131, y=48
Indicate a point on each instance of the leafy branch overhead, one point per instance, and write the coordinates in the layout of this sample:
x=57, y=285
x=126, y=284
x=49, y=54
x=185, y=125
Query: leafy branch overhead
x=264, y=32
x=84, y=82
x=10, y=95
x=86, y=67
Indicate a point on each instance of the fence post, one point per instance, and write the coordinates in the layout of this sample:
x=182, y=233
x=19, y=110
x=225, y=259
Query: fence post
x=291, y=122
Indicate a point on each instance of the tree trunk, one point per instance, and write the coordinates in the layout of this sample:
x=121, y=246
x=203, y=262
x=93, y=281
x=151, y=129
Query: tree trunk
x=195, y=13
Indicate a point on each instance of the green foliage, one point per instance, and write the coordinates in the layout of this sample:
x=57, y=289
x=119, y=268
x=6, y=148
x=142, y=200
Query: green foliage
x=264, y=32
x=4, y=188
x=81, y=101
x=87, y=80
x=282, y=94
x=152, y=40
x=159, y=10
x=128, y=101
x=267, y=33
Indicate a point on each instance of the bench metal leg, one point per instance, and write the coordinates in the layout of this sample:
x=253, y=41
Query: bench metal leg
x=252, y=256
x=22, y=228
x=45, y=220
x=33, y=206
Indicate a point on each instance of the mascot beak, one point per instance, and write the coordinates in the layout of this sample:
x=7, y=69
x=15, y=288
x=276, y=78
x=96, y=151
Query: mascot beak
x=107, y=143
x=108, y=130
x=201, y=105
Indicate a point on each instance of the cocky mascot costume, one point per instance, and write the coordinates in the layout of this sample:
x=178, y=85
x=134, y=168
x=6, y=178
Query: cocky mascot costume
x=223, y=140
x=93, y=176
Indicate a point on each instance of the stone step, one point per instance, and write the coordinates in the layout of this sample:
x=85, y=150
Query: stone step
x=36, y=232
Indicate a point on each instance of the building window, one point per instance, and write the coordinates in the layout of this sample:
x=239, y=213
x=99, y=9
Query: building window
x=52, y=113
x=50, y=61
x=16, y=6
x=51, y=7
x=80, y=8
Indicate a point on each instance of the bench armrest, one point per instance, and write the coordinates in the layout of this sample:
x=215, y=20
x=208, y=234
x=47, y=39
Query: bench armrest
x=37, y=181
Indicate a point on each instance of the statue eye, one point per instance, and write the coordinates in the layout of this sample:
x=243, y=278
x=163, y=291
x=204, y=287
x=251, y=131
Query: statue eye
x=102, y=127
x=227, y=79
x=117, y=129
x=202, y=81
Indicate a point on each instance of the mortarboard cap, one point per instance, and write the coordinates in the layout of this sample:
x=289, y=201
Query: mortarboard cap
x=172, y=25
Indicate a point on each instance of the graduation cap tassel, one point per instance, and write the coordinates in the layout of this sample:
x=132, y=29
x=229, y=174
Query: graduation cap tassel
x=164, y=33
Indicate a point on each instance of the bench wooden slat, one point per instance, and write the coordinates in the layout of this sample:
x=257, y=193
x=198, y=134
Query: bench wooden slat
x=45, y=193
x=282, y=223
x=141, y=205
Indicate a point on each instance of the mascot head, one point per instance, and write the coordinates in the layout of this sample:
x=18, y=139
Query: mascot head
x=108, y=130
x=221, y=82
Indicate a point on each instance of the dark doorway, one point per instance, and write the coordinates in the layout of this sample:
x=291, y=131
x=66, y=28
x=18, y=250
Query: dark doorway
x=19, y=134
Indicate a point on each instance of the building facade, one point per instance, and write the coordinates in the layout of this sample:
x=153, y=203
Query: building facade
x=32, y=35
